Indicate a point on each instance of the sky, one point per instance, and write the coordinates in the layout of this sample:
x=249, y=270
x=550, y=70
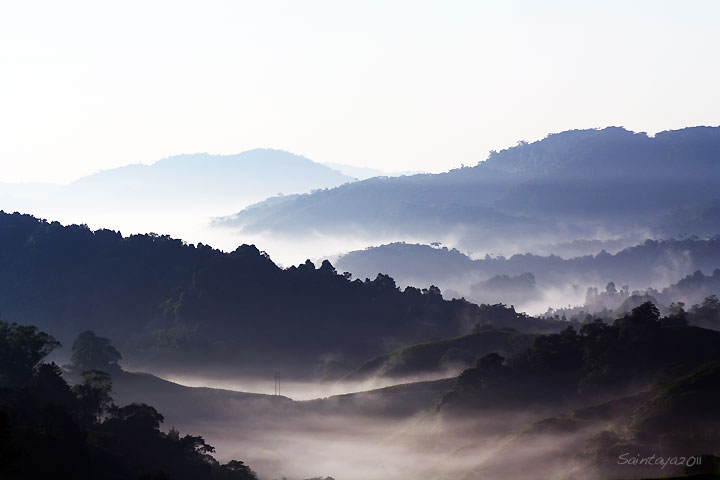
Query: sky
x=395, y=85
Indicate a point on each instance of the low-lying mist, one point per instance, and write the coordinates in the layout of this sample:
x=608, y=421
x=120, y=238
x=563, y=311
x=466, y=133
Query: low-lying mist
x=304, y=390
x=299, y=440
x=354, y=437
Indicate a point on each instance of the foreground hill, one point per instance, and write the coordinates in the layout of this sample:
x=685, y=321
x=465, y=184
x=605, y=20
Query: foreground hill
x=49, y=429
x=569, y=185
x=164, y=302
x=672, y=427
x=640, y=386
x=569, y=406
x=598, y=361
x=195, y=407
x=443, y=356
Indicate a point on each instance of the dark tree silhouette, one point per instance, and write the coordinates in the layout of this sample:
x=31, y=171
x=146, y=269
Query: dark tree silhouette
x=48, y=430
x=94, y=394
x=90, y=352
x=21, y=349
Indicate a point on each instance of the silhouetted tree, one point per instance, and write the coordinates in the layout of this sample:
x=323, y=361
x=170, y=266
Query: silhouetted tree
x=21, y=350
x=94, y=394
x=48, y=430
x=90, y=352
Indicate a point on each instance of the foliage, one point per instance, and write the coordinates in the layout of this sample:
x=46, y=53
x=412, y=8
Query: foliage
x=49, y=430
x=94, y=395
x=600, y=360
x=21, y=350
x=439, y=355
x=90, y=352
x=167, y=301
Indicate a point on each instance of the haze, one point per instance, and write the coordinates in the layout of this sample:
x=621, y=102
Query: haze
x=359, y=240
x=392, y=85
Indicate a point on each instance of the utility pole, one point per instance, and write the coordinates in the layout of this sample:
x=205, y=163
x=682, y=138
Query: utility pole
x=277, y=383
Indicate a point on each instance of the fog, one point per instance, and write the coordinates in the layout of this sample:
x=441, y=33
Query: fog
x=547, y=291
x=556, y=291
x=304, y=440
x=303, y=390
x=374, y=435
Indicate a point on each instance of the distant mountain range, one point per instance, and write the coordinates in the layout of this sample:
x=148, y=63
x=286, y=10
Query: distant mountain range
x=579, y=184
x=185, y=186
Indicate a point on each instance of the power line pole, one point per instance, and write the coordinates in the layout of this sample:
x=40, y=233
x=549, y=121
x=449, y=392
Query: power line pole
x=277, y=383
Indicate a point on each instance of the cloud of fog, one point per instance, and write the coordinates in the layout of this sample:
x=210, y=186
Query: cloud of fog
x=352, y=447
x=304, y=439
x=304, y=390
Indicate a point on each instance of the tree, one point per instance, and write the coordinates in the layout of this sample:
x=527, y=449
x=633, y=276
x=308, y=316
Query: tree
x=238, y=467
x=94, y=395
x=90, y=352
x=136, y=417
x=22, y=348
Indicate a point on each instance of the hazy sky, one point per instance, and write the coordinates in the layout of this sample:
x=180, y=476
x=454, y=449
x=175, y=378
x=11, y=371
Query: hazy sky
x=397, y=85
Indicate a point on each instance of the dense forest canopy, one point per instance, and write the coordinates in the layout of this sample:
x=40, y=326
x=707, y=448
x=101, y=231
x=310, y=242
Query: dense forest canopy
x=164, y=301
x=642, y=383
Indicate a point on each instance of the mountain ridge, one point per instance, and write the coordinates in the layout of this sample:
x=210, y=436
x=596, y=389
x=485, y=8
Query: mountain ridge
x=600, y=179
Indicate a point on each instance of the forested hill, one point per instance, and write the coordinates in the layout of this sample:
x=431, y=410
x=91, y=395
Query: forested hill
x=191, y=306
x=649, y=263
x=579, y=179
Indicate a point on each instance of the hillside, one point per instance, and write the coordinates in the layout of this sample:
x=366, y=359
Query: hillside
x=164, y=302
x=50, y=429
x=670, y=421
x=574, y=402
x=597, y=362
x=523, y=279
x=567, y=186
x=443, y=357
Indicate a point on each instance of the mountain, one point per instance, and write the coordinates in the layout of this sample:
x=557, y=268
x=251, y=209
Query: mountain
x=183, y=306
x=202, y=181
x=175, y=193
x=572, y=185
x=533, y=279
x=363, y=173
